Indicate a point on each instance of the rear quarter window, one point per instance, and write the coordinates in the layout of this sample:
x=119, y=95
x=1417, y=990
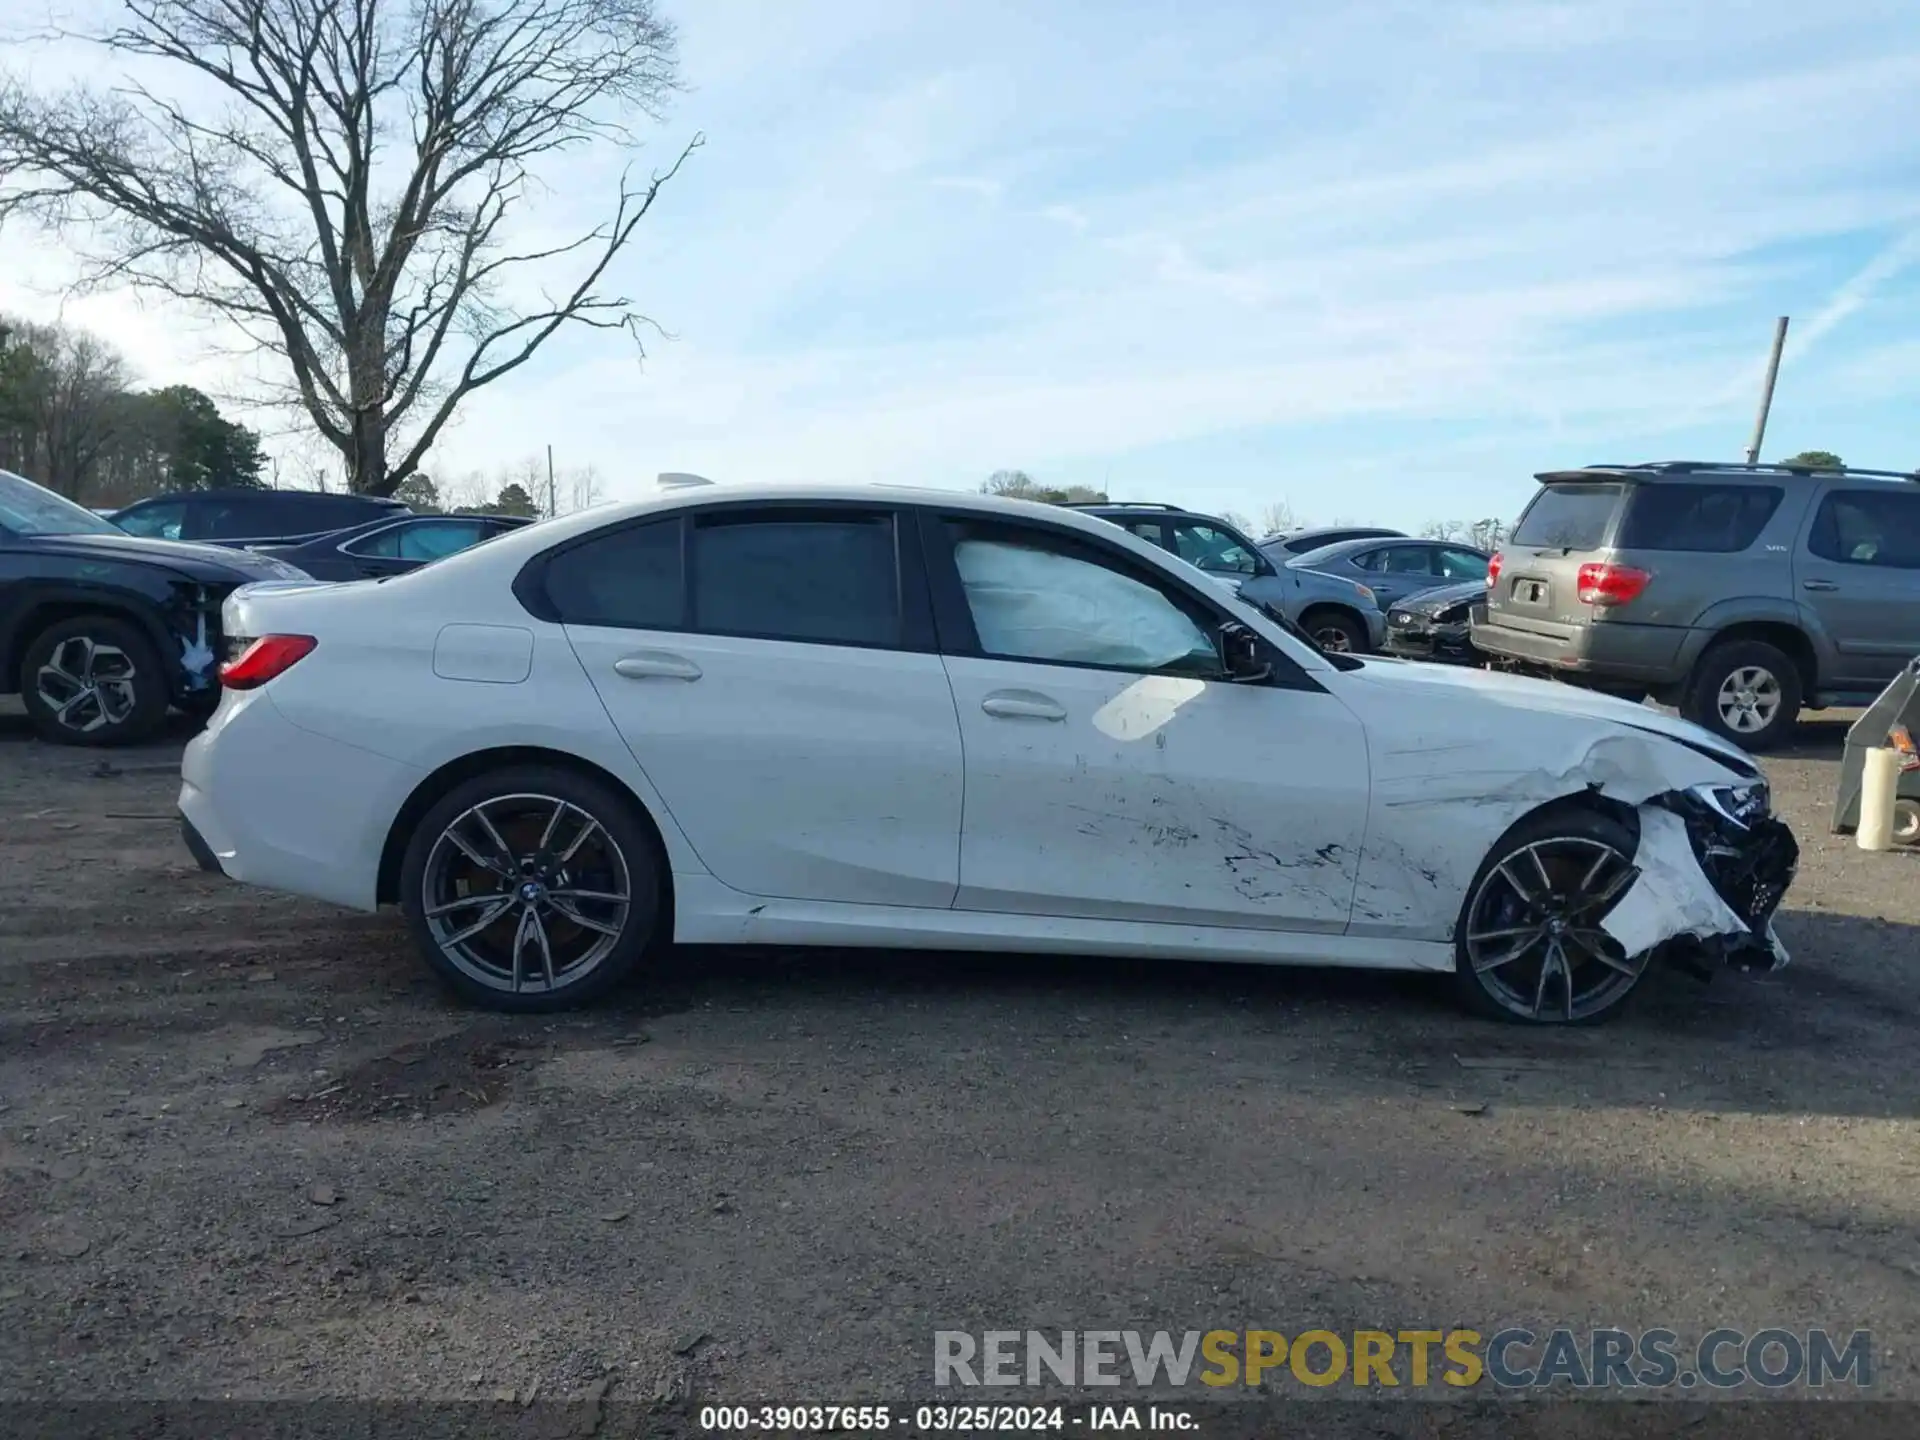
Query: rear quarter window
x=1568, y=517
x=1714, y=519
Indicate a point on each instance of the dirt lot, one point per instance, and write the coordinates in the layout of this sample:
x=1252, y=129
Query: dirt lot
x=248, y=1149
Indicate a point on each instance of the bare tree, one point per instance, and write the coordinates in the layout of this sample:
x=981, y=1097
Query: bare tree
x=1278, y=518
x=1019, y=485
x=1489, y=534
x=66, y=404
x=345, y=201
x=584, y=488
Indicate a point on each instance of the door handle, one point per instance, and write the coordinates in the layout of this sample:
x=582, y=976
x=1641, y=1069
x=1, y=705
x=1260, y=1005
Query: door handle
x=1818, y=585
x=656, y=665
x=1022, y=705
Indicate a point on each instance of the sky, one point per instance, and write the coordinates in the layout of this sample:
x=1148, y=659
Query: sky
x=1376, y=260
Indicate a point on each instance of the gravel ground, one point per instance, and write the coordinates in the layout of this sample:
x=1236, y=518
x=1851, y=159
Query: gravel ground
x=248, y=1149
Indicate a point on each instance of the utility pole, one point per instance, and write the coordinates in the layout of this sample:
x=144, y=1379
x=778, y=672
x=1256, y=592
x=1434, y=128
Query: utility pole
x=1766, y=394
x=553, y=507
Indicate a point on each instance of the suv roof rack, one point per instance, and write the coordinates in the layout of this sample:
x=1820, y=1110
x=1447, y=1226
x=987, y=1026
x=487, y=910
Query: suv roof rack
x=1722, y=467
x=1118, y=505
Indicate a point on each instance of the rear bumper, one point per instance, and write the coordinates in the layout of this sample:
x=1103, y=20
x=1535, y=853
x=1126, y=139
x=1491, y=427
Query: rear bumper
x=1610, y=650
x=197, y=847
x=270, y=804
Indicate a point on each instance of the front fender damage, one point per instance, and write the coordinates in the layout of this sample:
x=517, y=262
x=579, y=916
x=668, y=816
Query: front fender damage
x=1710, y=869
x=1708, y=885
x=192, y=621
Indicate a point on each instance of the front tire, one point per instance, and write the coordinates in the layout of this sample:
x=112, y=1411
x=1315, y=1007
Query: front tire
x=93, y=680
x=533, y=888
x=1528, y=948
x=1906, y=822
x=1746, y=691
x=1336, y=632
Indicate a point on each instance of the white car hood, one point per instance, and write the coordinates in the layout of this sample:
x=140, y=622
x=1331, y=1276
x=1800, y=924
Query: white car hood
x=1458, y=756
x=1414, y=684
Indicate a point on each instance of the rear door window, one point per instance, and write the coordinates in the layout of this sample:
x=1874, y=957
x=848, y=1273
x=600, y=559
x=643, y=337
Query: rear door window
x=1568, y=517
x=1405, y=560
x=1714, y=519
x=817, y=576
x=427, y=540
x=1209, y=548
x=1860, y=527
x=158, y=522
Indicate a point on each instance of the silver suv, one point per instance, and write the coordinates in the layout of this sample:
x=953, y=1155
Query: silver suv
x=1339, y=615
x=1736, y=593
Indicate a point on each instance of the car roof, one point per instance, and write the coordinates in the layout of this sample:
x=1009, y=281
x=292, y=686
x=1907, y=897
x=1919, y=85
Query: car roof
x=542, y=533
x=379, y=523
x=1350, y=532
x=1681, y=471
x=249, y=492
x=1340, y=549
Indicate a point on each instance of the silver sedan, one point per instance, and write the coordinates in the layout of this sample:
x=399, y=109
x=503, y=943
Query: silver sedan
x=1392, y=569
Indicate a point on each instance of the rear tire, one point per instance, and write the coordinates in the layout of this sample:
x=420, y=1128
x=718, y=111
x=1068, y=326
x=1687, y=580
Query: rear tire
x=533, y=888
x=1336, y=631
x=93, y=680
x=1746, y=691
x=1906, y=822
x=1528, y=948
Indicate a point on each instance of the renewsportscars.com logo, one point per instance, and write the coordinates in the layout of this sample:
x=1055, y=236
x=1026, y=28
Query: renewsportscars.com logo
x=1512, y=1358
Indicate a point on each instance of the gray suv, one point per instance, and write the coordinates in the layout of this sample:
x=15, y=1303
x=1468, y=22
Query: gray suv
x=1337, y=614
x=1735, y=593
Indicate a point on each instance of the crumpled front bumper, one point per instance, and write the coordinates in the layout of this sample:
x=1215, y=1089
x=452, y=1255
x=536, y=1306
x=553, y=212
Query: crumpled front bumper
x=1751, y=867
x=1710, y=883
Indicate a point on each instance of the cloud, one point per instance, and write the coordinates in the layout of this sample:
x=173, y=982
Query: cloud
x=927, y=240
x=1855, y=292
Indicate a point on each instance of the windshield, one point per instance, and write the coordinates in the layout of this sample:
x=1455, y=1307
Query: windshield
x=30, y=509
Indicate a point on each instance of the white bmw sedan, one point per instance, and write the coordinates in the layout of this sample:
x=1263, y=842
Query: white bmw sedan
x=903, y=718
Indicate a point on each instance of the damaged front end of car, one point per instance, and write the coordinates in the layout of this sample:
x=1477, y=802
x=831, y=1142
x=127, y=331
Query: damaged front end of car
x=1714, y=865
x=192, y=620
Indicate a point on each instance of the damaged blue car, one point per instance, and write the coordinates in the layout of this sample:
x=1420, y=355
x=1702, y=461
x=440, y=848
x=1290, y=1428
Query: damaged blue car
x=102, y=632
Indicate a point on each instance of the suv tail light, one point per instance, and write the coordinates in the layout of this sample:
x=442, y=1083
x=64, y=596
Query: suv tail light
x=260, y=660
x=1602, y=584
x=1493, y=568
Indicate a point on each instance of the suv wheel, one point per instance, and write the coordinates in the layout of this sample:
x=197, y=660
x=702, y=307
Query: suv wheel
x=93, y=680
x=1746, y=691
x=1335, y=632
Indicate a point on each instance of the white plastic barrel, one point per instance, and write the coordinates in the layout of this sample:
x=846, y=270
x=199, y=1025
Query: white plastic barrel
x=1879, y=788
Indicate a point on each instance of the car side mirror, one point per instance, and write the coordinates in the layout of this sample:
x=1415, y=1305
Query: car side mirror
x=1245, y=656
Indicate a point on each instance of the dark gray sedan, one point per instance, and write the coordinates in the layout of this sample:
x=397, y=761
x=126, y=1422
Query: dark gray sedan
x=1393, y=569
x=390, y=547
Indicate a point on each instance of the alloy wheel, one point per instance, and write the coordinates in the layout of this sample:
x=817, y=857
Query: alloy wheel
x=87, y=684
x=526, y=893
x=1332, y=639
x=1749, y=699
x=1533, y=930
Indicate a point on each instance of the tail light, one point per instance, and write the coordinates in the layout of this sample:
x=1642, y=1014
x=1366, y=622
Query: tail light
x=260, y=660
x=1493, y=568
x=1901, y=739
x=1602, y=584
